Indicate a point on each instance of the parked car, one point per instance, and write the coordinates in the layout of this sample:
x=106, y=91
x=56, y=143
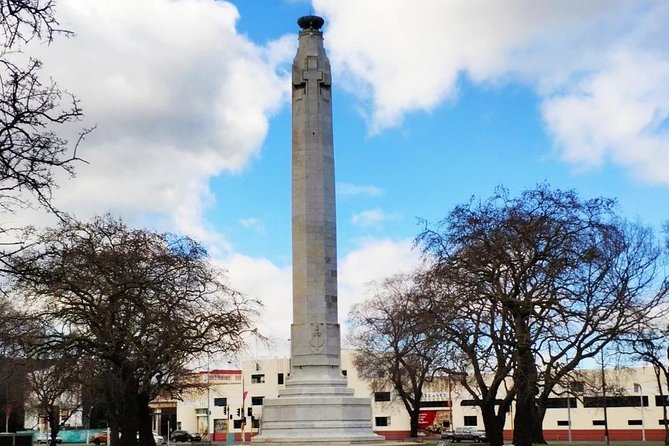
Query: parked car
x=184, y=436
x=43, y=439
x=464, y=434
x=98, y=438
x=101, y=437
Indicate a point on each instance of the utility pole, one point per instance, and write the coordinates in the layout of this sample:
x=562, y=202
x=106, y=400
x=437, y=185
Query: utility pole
x=606, y=418
x=638, y=388
x=569, y=411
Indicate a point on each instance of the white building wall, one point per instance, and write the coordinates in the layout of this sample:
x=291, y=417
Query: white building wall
x=261, y=380
x=198, y=412
x=394, y=409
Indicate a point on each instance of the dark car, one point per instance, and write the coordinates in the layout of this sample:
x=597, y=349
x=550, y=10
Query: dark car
x=184, y=436
x=464, y=434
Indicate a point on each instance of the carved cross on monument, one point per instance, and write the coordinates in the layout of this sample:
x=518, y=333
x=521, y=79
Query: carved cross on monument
x=312, y=78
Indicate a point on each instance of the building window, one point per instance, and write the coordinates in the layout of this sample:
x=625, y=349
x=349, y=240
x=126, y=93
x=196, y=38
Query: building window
x=344, y=372
x=257, y=379
x=598, y=423
x=279, y=378
x=237, y=424
x=381, y=396
x=220, y=425
x=201, y=411
x=222, y=402
x=563, y=422
x=470, y=420
x=560, y=403
x=614, y=401
x=661, y=400
x=663, y=422
x=257, y=400
x=255, y=423
x=427, y=404
x=634, y=422
x=472, y=403
x=381, y=421
x=577, y=386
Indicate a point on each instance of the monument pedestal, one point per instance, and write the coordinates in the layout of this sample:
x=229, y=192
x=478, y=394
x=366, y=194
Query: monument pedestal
x=317, y=412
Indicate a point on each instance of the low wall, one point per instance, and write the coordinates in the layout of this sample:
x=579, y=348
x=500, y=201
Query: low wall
x=596, y=435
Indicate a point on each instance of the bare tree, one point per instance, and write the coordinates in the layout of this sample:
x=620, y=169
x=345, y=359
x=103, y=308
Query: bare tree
x=396, y=347
x=32, y=113
x=18, y=326
x=478, y=328
x=31, y=110
x=12, y=392
x=55, y=391
x=569, y=276
x=650, y=344
x=24, y=20
x=144, y=304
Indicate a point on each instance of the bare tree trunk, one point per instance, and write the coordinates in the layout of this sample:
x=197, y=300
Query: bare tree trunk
x=538, y=424
x=54, y=424
x=494, y=427
x=144, y=419
x=525, y=382
x=114, y=432
x=415, y=412
x=658, y=377
x=129, y=421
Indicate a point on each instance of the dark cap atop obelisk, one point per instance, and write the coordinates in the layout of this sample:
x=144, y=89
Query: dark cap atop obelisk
x=310, y=22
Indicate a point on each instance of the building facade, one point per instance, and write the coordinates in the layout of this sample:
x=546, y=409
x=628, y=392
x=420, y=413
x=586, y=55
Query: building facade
x=234, y=402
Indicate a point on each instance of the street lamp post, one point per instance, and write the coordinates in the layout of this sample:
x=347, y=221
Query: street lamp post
x=209, y=436
x=88, y=425
x=638, y=388
x=243, y=418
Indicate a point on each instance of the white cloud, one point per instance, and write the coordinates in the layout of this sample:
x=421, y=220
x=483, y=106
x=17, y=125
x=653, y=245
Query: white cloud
x=253, y=223
x=350, y=190
x=408, y=55
x=373, y=260
x=598, y=67
x=260, y=278
x=371, y=217
x=178, y=96
x=610, y=115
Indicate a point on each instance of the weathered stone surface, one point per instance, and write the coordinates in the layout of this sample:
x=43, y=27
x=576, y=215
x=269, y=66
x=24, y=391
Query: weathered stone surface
x=316, y=406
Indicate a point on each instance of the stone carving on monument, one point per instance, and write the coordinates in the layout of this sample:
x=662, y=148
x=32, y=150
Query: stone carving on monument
x=316, y=406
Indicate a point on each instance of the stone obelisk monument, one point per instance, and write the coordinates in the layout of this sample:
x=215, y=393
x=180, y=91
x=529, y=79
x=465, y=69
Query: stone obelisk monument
x=316, y=406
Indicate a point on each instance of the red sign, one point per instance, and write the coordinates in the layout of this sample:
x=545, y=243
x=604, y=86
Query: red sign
x=426, y=418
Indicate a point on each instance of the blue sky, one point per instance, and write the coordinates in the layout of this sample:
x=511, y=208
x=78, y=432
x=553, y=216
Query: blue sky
x=435, y=101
